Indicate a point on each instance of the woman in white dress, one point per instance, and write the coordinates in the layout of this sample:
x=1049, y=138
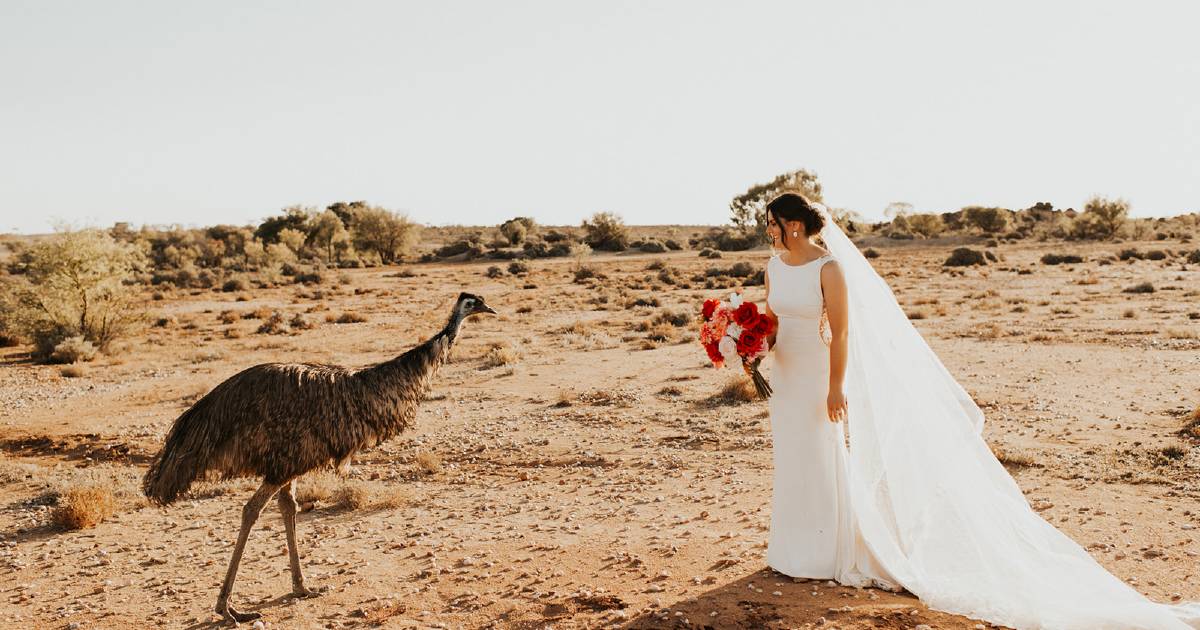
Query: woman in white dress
x=917, y=501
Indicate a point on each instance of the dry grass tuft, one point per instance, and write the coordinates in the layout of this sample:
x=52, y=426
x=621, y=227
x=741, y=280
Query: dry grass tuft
x=1014, y=459
x=430, y=463
x=500, y=354
x=1191, y=427
x=353, y=495
x=739, y=389
x=73, y=370
x=349, y=317
x=316, y=487
x=83, y=506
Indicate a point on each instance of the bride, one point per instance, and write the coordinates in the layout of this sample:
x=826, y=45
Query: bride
x=917, y=500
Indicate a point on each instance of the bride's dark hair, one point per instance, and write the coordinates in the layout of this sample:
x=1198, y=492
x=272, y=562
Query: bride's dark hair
x=792, y=206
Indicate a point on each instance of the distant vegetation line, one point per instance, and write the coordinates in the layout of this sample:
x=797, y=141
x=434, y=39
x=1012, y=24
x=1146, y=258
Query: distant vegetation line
x=72, y=293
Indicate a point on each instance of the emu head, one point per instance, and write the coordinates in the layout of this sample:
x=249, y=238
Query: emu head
x=470, y=304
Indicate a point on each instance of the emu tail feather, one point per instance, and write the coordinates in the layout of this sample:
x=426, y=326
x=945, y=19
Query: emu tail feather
x=185, y=457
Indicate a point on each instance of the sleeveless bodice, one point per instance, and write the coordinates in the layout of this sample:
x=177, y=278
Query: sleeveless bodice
x=796, y=289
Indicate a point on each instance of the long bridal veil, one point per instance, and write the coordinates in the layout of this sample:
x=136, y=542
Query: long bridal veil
x=934, y=505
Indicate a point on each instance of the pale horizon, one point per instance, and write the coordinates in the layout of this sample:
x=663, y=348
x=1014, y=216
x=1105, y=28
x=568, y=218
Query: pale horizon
x=472, y=113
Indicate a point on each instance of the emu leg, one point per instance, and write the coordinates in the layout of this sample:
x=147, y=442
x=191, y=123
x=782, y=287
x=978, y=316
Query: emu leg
x=250, y=514
x=288, y=507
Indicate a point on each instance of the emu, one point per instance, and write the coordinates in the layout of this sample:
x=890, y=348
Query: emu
x=278, y=421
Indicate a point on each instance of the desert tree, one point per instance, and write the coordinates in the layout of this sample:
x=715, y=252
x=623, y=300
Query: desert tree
x=927, y=225
x=293, y=217
x=387, y=233
x=1102, y=218
x=989, y=220
x=748, y=211
x=897, y=209
x=76, y=283
x=329, y=235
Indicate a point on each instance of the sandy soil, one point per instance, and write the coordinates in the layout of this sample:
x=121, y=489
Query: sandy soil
x=570, y=470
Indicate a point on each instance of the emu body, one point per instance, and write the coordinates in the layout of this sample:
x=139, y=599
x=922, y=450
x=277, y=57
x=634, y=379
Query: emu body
x=278, y=421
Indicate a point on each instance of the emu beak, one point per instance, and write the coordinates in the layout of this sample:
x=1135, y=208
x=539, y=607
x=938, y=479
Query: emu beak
x=484, y=308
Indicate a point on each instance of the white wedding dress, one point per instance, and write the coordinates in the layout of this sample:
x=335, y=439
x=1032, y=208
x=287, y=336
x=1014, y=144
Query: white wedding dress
x=917, y=501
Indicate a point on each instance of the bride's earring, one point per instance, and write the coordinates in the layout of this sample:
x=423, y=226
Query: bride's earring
x=795, y=234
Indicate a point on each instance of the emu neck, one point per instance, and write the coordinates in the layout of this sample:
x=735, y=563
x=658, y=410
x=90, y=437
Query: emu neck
x=412, y=370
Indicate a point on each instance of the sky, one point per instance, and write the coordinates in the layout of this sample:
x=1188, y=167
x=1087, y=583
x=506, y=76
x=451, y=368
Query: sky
x=199, y=113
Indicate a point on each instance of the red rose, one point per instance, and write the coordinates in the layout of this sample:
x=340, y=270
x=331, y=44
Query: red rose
x=762, y=326
x=745, y=314
x=710, y=307
x=714, y=352
x=749, y=343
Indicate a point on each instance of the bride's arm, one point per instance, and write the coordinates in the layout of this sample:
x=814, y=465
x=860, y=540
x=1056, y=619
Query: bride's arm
x=833, y=286
x=769, y=312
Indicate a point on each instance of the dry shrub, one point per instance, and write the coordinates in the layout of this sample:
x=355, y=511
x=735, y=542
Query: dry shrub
x=274, y=325
x=963, y=257
x=991, y=330
x=1013, y=459
x=348, y=317
x=73, y=350
x=261, y=312
x=228, y=317
x=299, y=322
x=1144, y=287
x=499, y=354
x=317, y=487
x=83, y=506
x=1061, y=259
x=663, y=332
x=1191, y=426
x=428, y=462
x=353, y=495
x=916, y=314
x=606, y=231
x=583, y=273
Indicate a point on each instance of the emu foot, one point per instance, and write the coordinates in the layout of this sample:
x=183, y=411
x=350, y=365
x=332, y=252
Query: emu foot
x=304, y=592
x=232, y=615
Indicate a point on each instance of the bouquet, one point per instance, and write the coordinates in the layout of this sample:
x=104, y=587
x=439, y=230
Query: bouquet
x=734, y=328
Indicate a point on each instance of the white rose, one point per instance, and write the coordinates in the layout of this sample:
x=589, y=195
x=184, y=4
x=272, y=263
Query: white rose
x=735, y=300
x=734, y=330
x=728, y=348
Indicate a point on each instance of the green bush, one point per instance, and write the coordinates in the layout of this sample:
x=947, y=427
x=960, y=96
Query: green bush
x=76, y=284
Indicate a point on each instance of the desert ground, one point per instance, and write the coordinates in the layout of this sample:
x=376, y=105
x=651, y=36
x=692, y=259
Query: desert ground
x=578, y=463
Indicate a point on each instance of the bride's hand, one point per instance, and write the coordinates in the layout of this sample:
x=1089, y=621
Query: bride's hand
x=837, y=405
